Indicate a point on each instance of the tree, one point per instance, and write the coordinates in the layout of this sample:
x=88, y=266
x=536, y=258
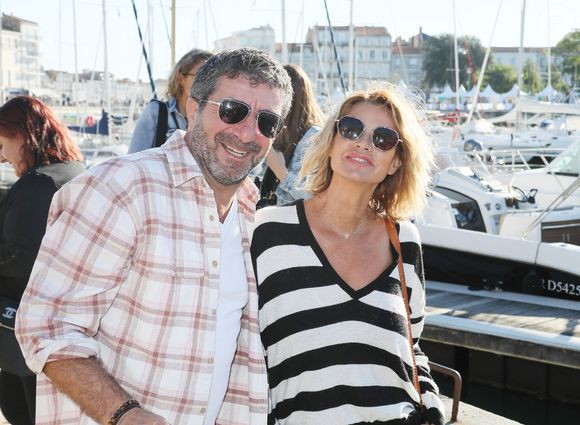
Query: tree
x=439, y=60
x=557, y=81
x=531, y=80
x=501, y=77
x=569, y=49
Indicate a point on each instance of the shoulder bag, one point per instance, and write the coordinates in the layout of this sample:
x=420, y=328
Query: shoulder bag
x=394, y=237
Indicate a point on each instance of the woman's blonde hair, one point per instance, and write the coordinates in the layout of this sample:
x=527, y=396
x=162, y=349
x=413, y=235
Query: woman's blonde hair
x=183, y=66
x=401, y=195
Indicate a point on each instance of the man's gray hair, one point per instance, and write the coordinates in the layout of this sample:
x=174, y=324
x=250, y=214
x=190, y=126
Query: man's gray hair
x=256, y=65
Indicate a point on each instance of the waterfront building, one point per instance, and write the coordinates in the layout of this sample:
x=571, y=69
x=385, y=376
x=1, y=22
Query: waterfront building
x=20, y=58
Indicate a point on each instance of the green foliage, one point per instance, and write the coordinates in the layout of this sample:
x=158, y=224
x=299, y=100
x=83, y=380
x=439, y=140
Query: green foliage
x=569, y=49
x=531, y=80
x=501, y=77
x=439, y=60
x=557, y=81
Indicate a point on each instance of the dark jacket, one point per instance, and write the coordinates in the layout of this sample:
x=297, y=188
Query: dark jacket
x=23, y=217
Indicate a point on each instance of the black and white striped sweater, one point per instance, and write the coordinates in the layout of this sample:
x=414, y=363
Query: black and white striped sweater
x=336, y=355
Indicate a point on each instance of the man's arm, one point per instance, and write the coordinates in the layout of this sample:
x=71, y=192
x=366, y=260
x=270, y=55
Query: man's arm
x=95, y=391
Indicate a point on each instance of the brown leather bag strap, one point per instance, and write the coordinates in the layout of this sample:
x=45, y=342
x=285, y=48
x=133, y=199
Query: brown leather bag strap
x=394, y=237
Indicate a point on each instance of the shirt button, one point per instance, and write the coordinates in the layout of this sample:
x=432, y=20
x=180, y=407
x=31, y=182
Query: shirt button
x=211, y=217
x=214, y=263
x=202, y=410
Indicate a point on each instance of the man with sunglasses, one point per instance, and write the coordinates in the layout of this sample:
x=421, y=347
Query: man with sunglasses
x=142, y=306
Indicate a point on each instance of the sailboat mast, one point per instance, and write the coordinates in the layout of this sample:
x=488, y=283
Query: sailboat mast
x=549, y=49
x=284, y=45
x=76, y=86
x=106, y=66
x=172, y=34
x=456, y=54
x=351, y=50
x=521, y=48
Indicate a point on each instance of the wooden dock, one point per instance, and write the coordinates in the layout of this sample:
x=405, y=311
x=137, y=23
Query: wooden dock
x=524, y=326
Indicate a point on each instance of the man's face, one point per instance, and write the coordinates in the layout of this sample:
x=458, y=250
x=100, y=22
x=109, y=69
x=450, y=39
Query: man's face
x=228, y=152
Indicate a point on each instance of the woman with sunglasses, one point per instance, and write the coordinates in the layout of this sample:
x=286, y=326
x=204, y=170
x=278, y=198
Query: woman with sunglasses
x=334, y=320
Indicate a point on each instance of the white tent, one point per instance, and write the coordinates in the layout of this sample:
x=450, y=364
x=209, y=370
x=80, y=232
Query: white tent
x=490, y=94
x=447, y=93
x=513, y=92
x=549, y=93
x=462, y=92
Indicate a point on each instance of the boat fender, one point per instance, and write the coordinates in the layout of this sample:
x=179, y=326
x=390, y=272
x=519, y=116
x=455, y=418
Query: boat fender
x=89, y=121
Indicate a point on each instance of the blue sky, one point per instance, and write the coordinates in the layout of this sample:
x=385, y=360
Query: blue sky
x=200, y=22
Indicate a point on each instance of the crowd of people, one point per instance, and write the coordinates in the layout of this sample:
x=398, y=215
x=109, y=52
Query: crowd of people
x=151, y=292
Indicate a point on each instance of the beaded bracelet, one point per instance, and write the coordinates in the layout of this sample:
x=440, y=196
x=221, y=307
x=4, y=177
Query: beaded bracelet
x=125, y=407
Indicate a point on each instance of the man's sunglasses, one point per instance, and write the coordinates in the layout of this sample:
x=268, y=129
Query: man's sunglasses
x=383, y=138
x=232, y=111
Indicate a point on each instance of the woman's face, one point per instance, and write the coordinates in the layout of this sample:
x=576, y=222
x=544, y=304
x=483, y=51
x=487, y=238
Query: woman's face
x=358, y=160
x=11, y=151
x=186, y=80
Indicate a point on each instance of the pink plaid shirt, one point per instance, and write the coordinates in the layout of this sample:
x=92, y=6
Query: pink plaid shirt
x=129, y=272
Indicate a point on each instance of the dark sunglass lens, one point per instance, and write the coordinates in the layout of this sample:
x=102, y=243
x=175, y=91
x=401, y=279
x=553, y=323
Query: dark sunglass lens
x=269, y=124
x=385, y=138
x=350, y=128
x=232, y=111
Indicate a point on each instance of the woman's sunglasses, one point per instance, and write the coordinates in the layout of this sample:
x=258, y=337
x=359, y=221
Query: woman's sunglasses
x=232, y=111
x=383, y=138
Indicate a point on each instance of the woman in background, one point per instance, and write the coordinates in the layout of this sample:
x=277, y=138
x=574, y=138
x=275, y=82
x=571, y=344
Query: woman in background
x=44, y=157
x=284, y=160
x=148, y=126
x=340, y=338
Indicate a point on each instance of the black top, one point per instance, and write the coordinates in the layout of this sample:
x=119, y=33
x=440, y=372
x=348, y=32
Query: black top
x=23, y=217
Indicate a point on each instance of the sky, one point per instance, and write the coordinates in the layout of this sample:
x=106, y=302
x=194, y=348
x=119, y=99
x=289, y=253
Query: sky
x=200, y=22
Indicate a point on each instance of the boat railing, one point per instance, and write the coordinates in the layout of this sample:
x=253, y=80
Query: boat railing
x=553, y=205
x=502, y=160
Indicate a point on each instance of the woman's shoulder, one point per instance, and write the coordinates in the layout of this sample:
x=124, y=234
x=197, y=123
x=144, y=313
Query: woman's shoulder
x=286, y=214
x=408, y=232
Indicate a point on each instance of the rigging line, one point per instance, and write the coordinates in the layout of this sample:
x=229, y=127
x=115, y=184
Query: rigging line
x=342, y=83
x=212, y=17
x=165, y=22
x=151, y=81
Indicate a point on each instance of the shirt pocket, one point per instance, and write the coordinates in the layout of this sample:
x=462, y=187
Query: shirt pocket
x=168, y=287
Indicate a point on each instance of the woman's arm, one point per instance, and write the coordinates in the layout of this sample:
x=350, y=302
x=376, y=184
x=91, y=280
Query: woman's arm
x=290, y=188
x=145, y=130
x=434, y=412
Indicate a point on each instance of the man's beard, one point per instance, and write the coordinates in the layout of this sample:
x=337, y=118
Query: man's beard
x=205, y=153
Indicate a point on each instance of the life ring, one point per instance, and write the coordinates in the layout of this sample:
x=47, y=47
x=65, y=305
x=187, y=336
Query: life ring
x=89, y=121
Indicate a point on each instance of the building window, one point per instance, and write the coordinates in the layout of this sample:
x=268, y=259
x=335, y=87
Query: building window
x=360, y=55
x=372, y=54
x=385, y=54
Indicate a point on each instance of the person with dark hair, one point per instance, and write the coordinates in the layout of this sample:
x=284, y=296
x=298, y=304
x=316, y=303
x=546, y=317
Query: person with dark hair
x=159, y=119
x=340, y=275
x=280, y=183
x=44, y=157
x=142, y=306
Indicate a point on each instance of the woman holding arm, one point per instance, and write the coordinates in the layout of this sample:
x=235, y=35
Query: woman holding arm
x=285, y=158
x=333, y=317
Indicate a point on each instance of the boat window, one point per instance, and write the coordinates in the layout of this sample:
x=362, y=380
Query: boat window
x=568, y=162
x=466, y=211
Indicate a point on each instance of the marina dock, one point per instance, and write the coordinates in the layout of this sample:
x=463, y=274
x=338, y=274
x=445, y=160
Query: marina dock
x=525, y=343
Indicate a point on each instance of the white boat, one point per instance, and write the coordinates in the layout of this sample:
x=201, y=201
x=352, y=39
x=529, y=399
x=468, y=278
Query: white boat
x=478, y=232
